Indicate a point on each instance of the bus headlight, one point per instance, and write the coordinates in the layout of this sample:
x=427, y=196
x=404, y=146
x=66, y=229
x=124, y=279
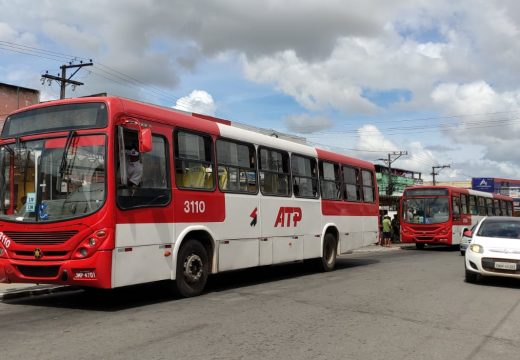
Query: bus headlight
x=476, y=248
x=90, y=245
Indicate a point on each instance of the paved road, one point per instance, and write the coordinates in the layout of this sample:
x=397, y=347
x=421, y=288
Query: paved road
x=403, y=304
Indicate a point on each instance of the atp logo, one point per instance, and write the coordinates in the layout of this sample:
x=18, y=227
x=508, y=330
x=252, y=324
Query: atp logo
x=288, y=216
x=254, y=216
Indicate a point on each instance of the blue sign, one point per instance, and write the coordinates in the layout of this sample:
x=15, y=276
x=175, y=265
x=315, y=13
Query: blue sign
x=483, y=184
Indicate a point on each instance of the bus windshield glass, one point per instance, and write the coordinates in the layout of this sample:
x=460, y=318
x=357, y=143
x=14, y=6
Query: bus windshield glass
x=56, y=118
x=52, y=179
x=432, y=210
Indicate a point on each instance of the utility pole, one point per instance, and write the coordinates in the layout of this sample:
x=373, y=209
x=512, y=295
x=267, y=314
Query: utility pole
x=389, y=161
x=63, y=80
x=437, y=167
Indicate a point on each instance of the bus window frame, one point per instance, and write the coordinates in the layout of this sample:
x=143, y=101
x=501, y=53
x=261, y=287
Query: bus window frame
x=337, y=180
x=312, y=178
x=255, y=168
x=168, y=174
x=176, y=158
x=363, y=186
x=287, y=162
x=358, y=183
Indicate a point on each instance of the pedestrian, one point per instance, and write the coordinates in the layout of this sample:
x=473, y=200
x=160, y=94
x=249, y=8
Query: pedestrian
x=387, y=231
x=396, y=229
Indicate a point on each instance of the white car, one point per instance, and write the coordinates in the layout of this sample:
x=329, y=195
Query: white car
x=494, y=249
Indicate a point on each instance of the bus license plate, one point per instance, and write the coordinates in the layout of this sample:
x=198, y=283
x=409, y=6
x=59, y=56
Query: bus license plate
x=505, y=265
x=84, y=274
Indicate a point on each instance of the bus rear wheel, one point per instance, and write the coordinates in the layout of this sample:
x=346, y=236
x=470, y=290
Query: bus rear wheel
x=330, y=249
x=192, y=269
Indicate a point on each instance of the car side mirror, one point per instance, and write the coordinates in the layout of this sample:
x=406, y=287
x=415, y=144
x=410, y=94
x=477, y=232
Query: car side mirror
x=467, y=233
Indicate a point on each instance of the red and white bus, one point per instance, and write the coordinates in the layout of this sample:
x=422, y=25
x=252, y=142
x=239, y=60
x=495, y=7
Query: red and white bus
x=209, y=197
x=440, y=214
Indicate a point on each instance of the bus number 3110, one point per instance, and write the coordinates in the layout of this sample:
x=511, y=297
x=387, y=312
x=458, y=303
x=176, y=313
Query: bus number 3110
x=194, y=207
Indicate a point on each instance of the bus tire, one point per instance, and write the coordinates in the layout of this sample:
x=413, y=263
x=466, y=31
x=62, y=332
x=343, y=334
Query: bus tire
x=419, y=246
x=462, y=253
x=192, y=269
x=330, y=249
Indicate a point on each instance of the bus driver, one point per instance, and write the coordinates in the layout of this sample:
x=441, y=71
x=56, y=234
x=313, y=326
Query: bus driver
x=134, y=170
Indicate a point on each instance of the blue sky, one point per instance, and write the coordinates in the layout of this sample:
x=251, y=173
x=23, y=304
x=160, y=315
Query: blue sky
x=435, y=78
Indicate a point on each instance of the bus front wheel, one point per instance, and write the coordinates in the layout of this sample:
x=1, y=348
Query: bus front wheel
x=330, y=249
x=192, y=269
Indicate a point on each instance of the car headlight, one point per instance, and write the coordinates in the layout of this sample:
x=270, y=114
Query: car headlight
x=476, y=248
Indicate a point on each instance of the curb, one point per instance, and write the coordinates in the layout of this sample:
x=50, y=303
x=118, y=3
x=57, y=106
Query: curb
x=34, y=291
x=378, y=249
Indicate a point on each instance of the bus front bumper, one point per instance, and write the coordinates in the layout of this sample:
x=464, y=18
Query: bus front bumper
x=426, y=239
x=94, y=271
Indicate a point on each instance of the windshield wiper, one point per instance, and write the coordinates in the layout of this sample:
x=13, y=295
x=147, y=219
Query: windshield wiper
x=68, y=144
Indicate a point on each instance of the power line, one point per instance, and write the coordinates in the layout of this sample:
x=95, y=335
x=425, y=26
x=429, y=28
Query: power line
x=123, y=79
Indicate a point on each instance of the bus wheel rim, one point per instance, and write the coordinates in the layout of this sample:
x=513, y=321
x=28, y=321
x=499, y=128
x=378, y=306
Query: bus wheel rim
x=193, y=268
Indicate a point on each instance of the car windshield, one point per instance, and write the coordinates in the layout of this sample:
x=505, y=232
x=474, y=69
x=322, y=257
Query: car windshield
x=52, y=179
x=426, y=210
x=500, y=228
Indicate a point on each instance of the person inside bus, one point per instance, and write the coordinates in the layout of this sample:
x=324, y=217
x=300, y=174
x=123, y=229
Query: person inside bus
x=134, y=170
x=409, y=215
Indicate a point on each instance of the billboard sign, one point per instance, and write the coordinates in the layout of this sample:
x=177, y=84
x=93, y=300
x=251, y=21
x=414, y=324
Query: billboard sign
x=483, y=184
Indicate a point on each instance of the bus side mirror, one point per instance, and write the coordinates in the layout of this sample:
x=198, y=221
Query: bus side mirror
x=145, y=140
x=467, y=233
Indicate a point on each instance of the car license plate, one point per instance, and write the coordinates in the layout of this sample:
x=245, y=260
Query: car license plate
x=505, y=265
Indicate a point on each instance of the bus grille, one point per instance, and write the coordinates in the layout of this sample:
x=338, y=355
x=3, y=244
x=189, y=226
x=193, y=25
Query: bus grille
x=39, y=271
x=40, y=238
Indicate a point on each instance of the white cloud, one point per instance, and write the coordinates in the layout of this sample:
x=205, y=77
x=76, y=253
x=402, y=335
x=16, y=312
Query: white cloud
x=451, y=57
x=495, y=123
x=372, y=139
x=72, y=37
x=198, y=101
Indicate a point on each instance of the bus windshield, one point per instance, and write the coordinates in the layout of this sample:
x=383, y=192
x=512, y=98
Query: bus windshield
x=52, y=179
x=426, y=210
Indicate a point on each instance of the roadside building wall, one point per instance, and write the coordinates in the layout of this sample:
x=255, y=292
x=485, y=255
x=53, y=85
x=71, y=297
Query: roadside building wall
x=14, y=97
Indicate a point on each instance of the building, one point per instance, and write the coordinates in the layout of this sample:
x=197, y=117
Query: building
x=14, y=97
x=391, y=186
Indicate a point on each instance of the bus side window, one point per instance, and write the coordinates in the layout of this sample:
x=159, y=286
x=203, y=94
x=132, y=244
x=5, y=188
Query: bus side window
x=330, y=181
x=236, y=164
x=305, y=176
x=455, y=207
x=368, y=186
x=352, y=184
x=481, y=206
x=473, y=208
x=274, y=172
x=154, y=187
x=193, y=161
x=464, y=204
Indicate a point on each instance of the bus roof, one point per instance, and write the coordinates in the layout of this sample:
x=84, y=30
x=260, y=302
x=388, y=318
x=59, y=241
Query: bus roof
x=205, y=123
